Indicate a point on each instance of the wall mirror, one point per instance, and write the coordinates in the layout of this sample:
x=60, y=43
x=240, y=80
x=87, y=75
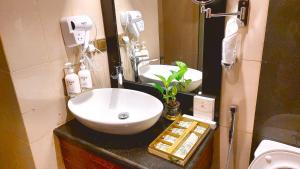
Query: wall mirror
x=154, y=34
x=147, y=37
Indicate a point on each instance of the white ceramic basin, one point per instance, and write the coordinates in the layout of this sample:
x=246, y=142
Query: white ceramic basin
x=99, y=109
x=147, y=75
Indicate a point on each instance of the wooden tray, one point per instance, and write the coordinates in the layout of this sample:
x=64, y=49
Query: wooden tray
x=169, y=153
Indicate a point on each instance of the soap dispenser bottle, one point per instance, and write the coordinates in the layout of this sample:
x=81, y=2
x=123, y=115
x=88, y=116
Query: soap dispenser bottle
x=144, y=51
x=85, y=77
x=72, y=81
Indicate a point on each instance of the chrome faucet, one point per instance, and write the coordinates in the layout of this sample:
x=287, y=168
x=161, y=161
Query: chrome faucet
x=135, y=62
x=119, y=76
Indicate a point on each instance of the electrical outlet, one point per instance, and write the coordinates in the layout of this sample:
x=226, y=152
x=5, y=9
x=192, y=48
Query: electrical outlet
x=204, y=107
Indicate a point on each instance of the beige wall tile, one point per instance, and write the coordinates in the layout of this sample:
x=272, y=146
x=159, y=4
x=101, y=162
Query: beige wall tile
x=51, y=12
x=41, y=96
x=43, y=152
x=22, y=34
x=40, y=85
x=240, y=156
x=239, y=87
x=255, y=34
x=43, y=120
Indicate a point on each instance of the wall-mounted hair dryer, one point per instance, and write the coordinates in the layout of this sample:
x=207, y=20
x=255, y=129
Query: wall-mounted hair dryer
x=133, y=22
x=75, y=30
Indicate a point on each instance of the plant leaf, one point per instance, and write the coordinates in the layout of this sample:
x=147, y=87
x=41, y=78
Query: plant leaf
x=163, y=79
x=166, y=98
x=180, y=86
x=182, y=70
x=158, y=87
x=181, y=65
x=172, y=71
x=169, y=88
x=180, y=74
x=171, y=78
x=174, y=91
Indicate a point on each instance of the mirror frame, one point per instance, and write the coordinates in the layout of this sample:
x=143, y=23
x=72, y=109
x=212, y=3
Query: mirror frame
x=212, y=50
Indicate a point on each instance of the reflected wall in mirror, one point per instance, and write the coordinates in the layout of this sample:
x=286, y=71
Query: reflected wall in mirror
x=154, y=34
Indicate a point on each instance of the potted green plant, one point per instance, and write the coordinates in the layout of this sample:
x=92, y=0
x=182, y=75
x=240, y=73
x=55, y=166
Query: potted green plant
x=170, y=87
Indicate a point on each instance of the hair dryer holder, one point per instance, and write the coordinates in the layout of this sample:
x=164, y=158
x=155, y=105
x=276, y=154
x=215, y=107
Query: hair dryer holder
x=242, y=13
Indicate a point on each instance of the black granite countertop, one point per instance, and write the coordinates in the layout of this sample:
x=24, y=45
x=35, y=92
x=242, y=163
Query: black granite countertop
x=129, y=151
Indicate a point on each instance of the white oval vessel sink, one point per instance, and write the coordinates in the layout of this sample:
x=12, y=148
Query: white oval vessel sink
x=116, y=111
x=147, y=75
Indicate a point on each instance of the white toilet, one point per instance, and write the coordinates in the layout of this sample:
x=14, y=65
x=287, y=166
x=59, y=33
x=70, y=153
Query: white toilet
x=274, y=155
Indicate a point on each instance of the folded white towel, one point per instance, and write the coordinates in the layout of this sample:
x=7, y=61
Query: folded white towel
x=229, y=45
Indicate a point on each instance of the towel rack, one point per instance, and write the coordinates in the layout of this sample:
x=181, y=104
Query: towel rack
x=242, y=12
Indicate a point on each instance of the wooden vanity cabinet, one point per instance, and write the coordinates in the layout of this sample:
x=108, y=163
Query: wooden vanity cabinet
x=76, y=157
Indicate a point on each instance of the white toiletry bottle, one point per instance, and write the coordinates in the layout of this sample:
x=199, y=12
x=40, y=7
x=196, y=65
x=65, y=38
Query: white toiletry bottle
x=144, y=51
x=72, y=81
x=85, y=77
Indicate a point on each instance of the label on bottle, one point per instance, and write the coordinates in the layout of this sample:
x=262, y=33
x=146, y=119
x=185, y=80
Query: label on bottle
x=85, y=80
x=73, y=86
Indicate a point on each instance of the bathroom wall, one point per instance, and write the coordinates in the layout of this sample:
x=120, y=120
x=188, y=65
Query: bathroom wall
x=277, y=114
x=239, y=87
x=14, y=146
x=33, y=76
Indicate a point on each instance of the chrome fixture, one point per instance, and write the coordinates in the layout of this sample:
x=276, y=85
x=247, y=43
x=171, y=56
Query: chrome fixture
x=123, y=115
x=203, y=2
x=135, y=62
x=242, y=12
x=233, y=111
x=118, y=76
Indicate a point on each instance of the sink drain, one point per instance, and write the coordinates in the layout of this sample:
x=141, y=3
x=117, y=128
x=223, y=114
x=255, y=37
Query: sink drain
x=123, y=115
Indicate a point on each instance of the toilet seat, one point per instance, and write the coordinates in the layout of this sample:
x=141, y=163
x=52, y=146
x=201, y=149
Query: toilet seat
x=277, y=159
x=274, y=155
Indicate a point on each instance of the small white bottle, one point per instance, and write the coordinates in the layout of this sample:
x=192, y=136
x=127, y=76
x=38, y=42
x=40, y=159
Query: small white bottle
x=85, y=77
x=144, y=51
x=72, y=81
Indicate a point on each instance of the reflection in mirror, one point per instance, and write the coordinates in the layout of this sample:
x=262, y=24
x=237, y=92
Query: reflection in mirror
x=203, y=2
x=154, y=34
